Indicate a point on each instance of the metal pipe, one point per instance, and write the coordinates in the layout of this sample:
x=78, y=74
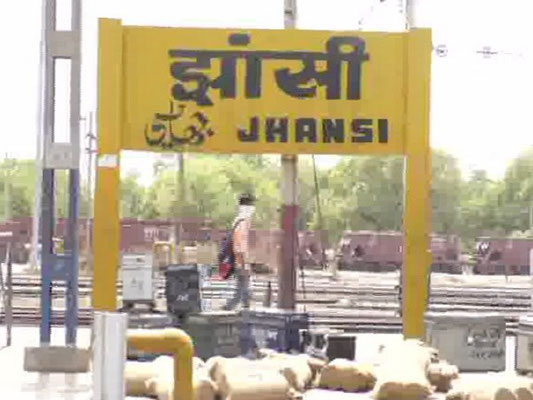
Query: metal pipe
x=176, y=342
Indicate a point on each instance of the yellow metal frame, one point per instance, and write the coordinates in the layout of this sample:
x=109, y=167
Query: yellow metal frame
x=417, y=215
x=107, y=194
x=176, y=342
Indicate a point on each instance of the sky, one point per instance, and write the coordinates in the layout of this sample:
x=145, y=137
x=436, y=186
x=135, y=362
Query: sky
x=480, y=107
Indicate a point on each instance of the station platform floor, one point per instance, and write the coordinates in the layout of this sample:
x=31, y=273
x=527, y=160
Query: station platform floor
x=18, y=384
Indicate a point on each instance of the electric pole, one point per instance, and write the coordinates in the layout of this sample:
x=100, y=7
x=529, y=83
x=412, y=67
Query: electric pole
x=289, y=210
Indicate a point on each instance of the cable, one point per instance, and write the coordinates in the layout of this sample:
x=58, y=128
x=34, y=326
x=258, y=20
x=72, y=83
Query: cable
x=319, y=212
x=442, y=50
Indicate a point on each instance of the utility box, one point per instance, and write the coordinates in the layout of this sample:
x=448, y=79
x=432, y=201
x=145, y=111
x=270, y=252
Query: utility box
x=524, y=345
x=137, y=279
x=272, y=328
x=474, y=342
x=341, y=345
x=215, y=333
x=328, y=344
x=183, y=290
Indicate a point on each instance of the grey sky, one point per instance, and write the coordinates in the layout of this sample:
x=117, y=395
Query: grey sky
x=480, y=106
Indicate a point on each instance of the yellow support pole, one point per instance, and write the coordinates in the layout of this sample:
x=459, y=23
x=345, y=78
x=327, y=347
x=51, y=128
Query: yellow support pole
x=176, y=342
x=106, y=202
x=417, y=214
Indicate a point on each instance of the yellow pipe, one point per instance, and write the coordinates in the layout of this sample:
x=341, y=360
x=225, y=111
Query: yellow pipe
x=169, y=340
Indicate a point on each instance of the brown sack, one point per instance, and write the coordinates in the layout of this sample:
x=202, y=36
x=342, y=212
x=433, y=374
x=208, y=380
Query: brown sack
x=441, y=375
x=136, y=374
x=315, y=364
x=216, y=366
x=402, y=372
x=295, y=368
x=254, y=383
x=485, y=392
x=163, y=388
x=492, y=387
x=347, y=375
x=162, y=385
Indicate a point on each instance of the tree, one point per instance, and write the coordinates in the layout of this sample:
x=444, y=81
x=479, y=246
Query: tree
x=132, y=197
x=446, y=185
x=479, y=214
x=515, y=199
x=369, y=192
x=20, y=176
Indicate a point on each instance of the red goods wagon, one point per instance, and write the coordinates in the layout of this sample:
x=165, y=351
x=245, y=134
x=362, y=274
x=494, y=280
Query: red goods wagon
x=311, y=245
x=383, y=251
x=264, y=248
x=503, y=256
x=370, y=251
x=19, y=235
x=445, y=252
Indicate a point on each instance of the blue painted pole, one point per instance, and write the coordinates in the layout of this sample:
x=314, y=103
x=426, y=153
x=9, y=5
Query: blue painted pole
x=47, y=232
x=71, y=317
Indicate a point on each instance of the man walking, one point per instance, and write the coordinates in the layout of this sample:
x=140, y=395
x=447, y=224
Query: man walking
x=241, y=230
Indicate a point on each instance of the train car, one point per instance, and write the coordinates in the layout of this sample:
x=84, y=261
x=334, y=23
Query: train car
x=265, y=245
x=503, y=256
x=446, y=252
x=311, y=248
x=383, y=251
x=370, y=251
x=140, y=235
x=18, y=233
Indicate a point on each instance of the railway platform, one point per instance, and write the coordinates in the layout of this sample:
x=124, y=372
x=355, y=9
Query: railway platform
x=17, y=384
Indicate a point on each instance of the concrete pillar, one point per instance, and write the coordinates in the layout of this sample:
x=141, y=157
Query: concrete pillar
x=289, y=211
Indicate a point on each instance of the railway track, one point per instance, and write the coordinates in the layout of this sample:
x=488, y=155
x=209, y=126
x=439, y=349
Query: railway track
x=366, y=304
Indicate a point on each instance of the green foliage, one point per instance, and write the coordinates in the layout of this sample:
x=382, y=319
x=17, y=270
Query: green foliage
x=446, y=189
x=515, y=198
x=358, y=193
x=133, y=197
x=17, y=181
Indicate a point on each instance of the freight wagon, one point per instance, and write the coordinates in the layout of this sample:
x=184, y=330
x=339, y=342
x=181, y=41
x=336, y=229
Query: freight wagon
x=383, y=252
x=17, y=234
x=503, y=256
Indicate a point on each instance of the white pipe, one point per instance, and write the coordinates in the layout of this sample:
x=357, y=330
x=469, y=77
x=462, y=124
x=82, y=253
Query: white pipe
x=109, y=355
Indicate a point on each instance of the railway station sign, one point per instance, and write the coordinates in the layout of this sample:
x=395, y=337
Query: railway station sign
x=263, y=91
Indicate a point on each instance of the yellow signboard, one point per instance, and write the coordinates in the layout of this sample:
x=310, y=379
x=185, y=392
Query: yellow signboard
x=263, y=91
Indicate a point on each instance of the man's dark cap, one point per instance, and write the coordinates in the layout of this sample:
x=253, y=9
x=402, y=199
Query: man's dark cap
x=246, y=199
